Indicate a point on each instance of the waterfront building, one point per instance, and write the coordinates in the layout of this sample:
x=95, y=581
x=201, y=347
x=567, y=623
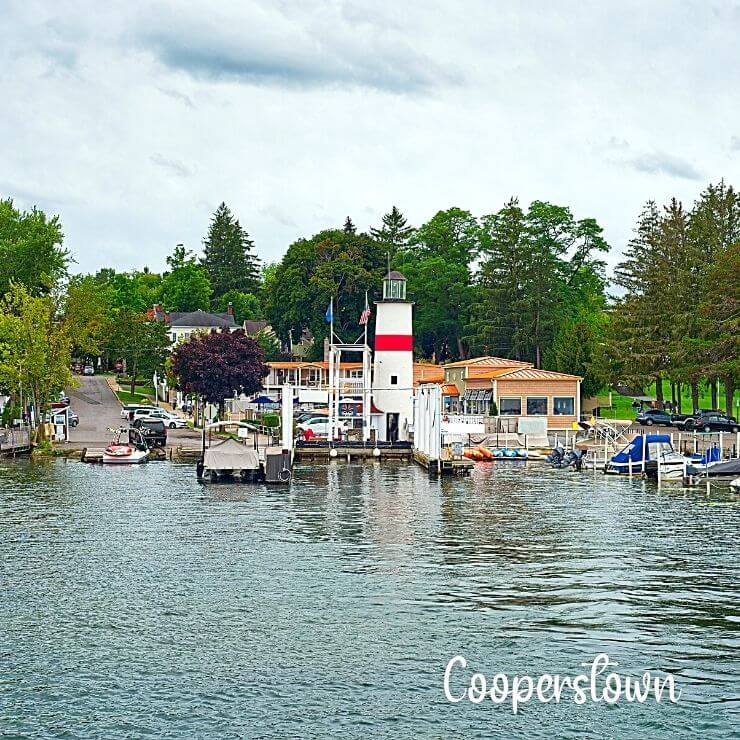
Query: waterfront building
x=498, y=386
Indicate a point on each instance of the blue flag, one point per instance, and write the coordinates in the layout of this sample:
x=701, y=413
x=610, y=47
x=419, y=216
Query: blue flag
x=329, y=313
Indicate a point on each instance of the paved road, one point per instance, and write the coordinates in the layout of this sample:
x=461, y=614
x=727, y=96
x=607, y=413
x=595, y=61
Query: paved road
x=98, y=409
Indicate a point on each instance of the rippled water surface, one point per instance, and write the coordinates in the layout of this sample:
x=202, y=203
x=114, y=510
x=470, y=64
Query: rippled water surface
x=138, y=603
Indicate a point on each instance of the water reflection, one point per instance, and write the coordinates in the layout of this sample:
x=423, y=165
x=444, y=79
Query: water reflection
x=153, y=604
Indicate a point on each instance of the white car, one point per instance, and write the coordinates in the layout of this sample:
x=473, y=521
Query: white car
x=319, y=425
x=173, y=421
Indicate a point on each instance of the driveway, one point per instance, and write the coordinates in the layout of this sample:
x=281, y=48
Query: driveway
x=98, y=409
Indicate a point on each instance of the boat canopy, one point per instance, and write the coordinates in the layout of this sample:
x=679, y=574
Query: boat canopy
x=633, y=451
x=230, y=455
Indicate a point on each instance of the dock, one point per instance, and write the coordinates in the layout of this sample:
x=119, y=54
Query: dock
x=348, y=451
x=443, y=466
x=14, y=442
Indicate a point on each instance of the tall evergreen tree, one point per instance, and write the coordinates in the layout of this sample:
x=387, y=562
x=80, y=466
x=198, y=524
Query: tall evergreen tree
x=349, y=226
x=228, y=257
x=394, y=233
x=538, y=273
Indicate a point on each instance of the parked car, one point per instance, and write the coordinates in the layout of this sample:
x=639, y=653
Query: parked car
x=128, y=409
x=173, y=421
x=307, y=415
x=319, y=426
x=718, y=423
x=153, y=431
x=88, y=370
x=74, y=420
x=648, y=417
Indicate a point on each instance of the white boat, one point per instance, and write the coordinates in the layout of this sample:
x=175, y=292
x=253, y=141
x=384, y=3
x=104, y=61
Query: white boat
x=735, y=484
x=644, y=454
x=130, y=452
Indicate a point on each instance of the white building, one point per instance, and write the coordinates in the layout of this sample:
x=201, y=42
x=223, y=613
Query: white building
x=183, y=325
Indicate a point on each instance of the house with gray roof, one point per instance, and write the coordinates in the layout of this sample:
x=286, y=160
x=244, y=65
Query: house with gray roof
x=182, y=325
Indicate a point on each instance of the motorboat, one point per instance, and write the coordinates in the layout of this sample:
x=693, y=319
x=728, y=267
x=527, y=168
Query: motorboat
x=735, y=484
x=126, y=450
x=651, y=455
x=240, y=460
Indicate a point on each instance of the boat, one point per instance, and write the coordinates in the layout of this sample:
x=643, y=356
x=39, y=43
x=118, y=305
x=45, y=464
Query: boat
x=735, y=484
x=644, y=454
x=241, y=460
x=130, y=452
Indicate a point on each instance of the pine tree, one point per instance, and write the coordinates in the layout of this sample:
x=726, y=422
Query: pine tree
x=349, y=226
x=395, y=232
x=228, y=257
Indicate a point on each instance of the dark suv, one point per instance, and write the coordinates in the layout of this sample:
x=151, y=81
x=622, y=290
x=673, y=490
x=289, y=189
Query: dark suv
x=648, y=417
x=717, y=423
x=153, y=431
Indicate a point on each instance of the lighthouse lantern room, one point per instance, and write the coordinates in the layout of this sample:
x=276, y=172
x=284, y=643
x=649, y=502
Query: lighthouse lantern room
x=393, y=376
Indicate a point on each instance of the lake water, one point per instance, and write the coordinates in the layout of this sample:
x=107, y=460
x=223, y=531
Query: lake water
x=138, y=603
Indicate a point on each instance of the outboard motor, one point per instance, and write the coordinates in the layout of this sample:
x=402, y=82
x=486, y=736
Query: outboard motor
x=556, y=457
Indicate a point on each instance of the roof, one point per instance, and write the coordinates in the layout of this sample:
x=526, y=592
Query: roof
x=255, y=327
x=489, y=362
x=450, y=389
x=394, y=275
x=427, y=372
x=201, y=318
x=290, y=364
x=532, y=373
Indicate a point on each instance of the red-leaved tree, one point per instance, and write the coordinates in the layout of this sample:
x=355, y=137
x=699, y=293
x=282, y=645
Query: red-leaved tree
x=218, y=365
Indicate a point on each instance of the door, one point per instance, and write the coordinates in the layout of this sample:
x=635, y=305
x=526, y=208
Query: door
x=392, y=428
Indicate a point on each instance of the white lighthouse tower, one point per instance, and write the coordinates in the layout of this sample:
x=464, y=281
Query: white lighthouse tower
x=393, y=376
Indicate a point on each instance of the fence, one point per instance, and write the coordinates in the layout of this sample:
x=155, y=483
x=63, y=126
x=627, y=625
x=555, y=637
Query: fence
x=15, y=440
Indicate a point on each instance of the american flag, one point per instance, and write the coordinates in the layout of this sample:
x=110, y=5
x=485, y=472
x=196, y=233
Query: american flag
x=365, y=316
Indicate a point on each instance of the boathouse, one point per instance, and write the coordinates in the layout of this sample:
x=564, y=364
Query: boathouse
x=510, y=389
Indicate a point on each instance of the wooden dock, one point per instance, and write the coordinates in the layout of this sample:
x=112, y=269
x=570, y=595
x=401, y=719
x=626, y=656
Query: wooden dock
x=445, y=466
x=347, y=452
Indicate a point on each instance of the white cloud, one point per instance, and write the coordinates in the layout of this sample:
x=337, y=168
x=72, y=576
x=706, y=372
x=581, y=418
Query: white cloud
x=135, y=121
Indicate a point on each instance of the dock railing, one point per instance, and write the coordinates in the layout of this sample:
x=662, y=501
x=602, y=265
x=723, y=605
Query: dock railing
x=15, y=439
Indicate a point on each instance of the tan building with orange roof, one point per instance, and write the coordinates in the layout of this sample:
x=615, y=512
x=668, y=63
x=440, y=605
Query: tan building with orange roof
x=514, y=389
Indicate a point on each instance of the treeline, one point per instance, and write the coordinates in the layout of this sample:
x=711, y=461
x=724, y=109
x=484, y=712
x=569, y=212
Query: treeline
x=525, y=281
x=678, y=321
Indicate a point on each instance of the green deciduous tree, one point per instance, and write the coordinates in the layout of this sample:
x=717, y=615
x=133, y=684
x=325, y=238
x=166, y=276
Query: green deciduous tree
x=245, y=305
x=331, y=264
x=228, y=257
x=31, y=252
x=35, y=347
x=186, y=286
x=436, y=265
x=143, y=344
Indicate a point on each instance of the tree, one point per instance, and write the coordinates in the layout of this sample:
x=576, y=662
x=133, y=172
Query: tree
x=269, y=344
x=35, y=347
x=135, y=290
x=218, y=365
x=186, y=287
x=143, y=344
x=245, y=305
x=349, y=227
x=228, y=258
x=538, y=273
x=436, y=265
x=394, y=232
x=331, y=264
x=88, y=314
x=31, y=252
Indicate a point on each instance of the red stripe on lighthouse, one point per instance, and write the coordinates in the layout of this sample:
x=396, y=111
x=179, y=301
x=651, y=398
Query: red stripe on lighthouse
x=394, y=342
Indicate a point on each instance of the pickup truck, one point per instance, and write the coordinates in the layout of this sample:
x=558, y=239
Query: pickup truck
x=693, y=421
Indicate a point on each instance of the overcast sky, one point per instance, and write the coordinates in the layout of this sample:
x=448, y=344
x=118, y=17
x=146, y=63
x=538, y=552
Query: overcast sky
x=133, y=121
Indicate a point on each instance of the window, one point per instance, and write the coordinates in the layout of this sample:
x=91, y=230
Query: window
x=537, y=406
x=564, y=406
x=510, y=406
x=394, y=379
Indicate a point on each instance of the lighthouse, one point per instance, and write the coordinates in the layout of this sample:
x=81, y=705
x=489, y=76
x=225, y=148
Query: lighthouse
x=393, y=375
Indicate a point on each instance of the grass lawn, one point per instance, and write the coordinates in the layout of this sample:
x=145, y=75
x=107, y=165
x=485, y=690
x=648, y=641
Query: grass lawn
x=126, y=397
x=621, y=407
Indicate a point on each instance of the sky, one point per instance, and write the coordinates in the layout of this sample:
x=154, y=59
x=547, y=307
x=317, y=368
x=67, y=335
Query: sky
x=133, y=121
